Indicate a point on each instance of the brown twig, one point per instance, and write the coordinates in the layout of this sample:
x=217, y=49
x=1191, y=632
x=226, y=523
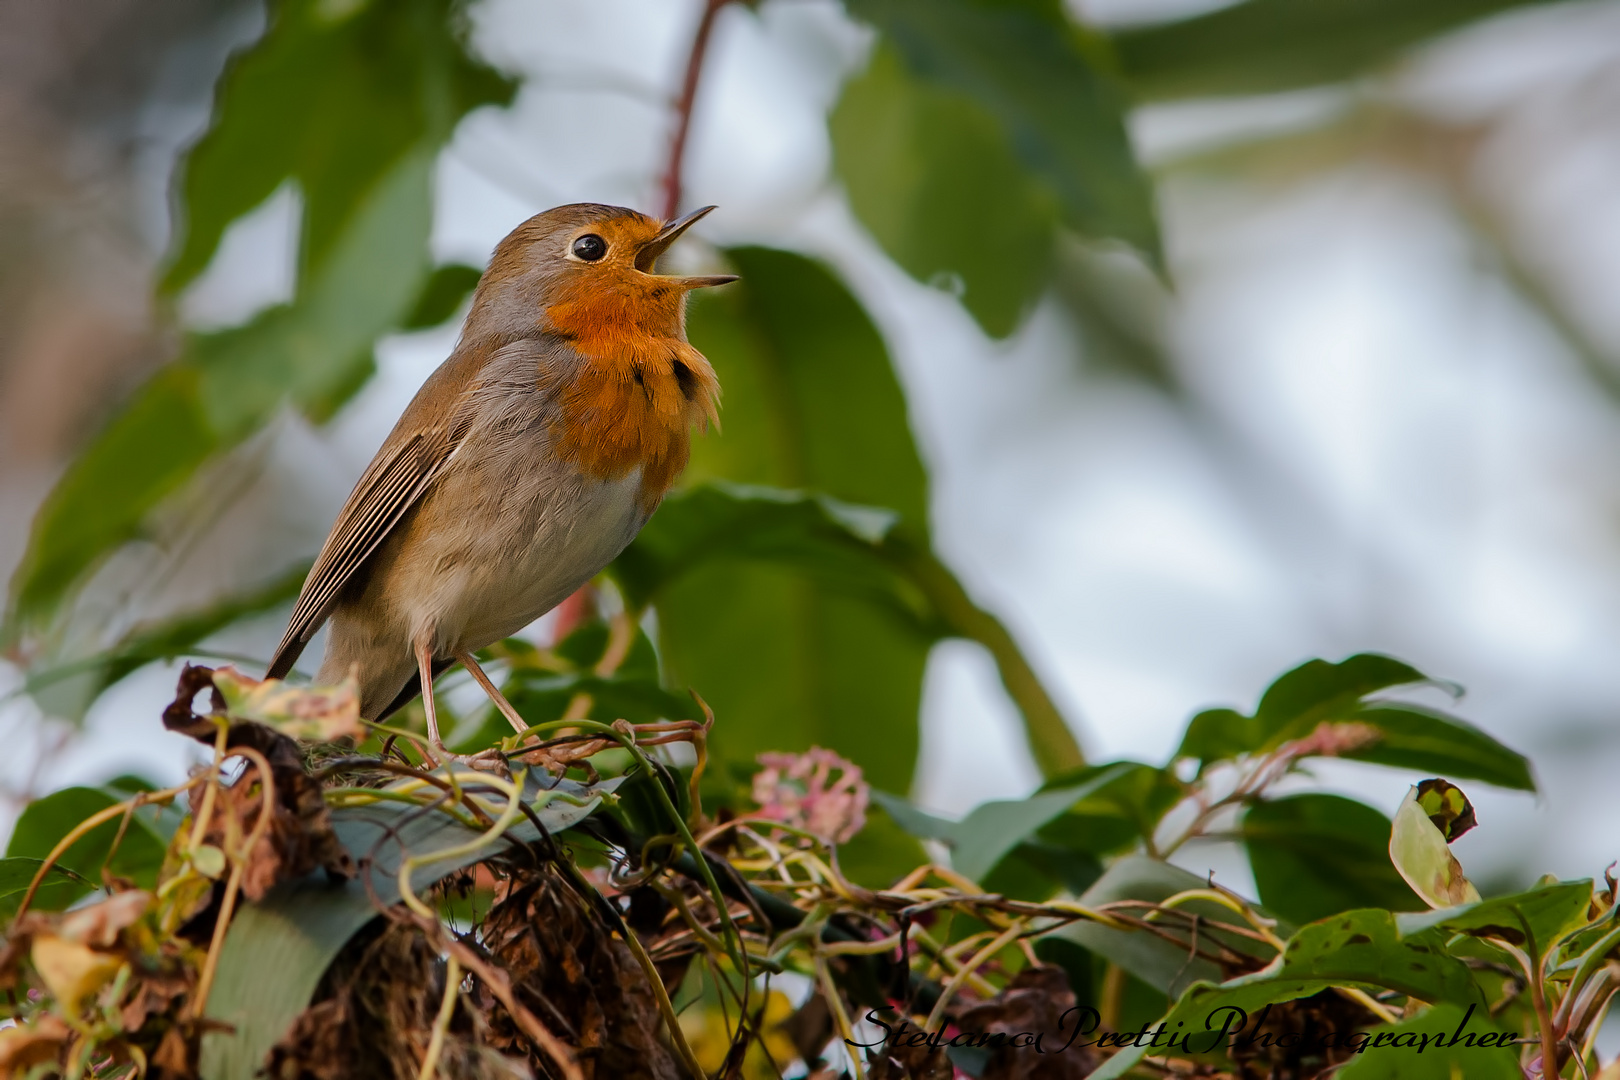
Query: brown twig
x=233, y=887
x=683, y=106
x=501, y=986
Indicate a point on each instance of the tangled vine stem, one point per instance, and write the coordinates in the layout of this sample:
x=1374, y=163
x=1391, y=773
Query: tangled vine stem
x=683, y=106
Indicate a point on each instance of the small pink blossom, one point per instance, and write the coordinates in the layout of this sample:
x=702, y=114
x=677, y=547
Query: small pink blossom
x=802, y=790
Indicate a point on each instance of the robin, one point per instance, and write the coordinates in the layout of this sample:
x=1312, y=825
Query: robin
x=522, y=467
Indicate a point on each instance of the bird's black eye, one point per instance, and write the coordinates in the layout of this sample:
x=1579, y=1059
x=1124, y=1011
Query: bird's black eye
x=590, y=247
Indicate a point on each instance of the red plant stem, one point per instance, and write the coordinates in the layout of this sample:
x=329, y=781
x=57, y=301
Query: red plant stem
x=683, y=107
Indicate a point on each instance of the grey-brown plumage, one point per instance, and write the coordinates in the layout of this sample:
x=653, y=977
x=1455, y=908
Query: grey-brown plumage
x=522, y=467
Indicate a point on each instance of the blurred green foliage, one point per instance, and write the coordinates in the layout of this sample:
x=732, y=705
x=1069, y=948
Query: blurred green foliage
x=984, y=146
x=349, y=104
x=793, y=582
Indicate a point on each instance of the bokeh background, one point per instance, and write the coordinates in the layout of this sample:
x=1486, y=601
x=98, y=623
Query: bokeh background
x=1369, y=399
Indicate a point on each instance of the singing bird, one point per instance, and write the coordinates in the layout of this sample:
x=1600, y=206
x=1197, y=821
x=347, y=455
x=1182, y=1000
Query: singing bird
x=522, y=467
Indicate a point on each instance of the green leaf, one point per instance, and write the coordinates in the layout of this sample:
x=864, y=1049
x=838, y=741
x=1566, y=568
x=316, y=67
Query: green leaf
x=1165, y=965
x=916, y=822
x=980, y=841
x=880, y=854
x=333, y=99
x=1220, y=735
x=1035, y=870
x=442, y=294
x=825, y=650
x=77, y=684
x=992, y=830
x=1263, y=46
x=1317, y=692
x=352, y=108
x=1547, y=912
x=811, y=400
x=47, y=821
x=834, y=542
x=1363, y=949
x=1414, y=737
x=301, y=925
x=1317, y=855
x=1118, y=815
x=1439, y=1043
x=1420, y=853
x=60, y=888
x=1025, y=65
x=932, y=175
x=811, y=403
x=144, y=454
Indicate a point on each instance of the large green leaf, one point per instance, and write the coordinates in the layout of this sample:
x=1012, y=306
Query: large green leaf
x=1165, y=965
x=70, y=688
x=298, y=928
x=805, y=621
x=990, y=832
x=804, y=559
x=332, y=97
x=351, y=106
x=1118, y=815
x=811, y=400
x=1416, y=737
x=1317, y=855
x=1263, y=46
x=932, y=175
x=1361, y=949
x=1024, y=64
x=1317, y=692
x=47, y=821
x=59, y=888
x=835, y=542
x=1544, y=913
x=811, y=403
x=1441, y=1043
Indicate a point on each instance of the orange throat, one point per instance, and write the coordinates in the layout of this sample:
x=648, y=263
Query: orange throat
x=640, y=387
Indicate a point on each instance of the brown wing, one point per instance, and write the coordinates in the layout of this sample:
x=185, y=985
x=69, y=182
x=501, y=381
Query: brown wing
x=433, y=425
x=391, y=485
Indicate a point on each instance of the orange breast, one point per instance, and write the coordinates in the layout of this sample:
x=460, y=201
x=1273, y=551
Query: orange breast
x=640, y=388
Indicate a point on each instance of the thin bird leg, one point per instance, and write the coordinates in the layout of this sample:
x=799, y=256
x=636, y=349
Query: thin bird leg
x=491, y=760
x=537, y=757
x=424, y=665
x=466, y=660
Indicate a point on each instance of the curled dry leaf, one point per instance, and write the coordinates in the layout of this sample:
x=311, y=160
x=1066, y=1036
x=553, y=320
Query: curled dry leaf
x=1035, y=1000
x=72, y=972
x=311, y=713
x=100, y=924
x=1447, y=807
x=299, y=838
x=77, y=954
x=21, y=1048
x=1419, y=851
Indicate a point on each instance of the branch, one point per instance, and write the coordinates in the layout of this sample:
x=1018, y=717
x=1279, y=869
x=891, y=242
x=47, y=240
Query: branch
x=683, y=107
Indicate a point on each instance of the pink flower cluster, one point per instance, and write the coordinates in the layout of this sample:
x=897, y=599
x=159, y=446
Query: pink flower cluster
x=816, y=790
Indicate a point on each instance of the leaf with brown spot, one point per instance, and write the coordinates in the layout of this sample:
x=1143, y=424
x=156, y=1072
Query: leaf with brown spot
x=1447, y=807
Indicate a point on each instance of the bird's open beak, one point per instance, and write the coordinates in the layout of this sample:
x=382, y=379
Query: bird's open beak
x=647, y=257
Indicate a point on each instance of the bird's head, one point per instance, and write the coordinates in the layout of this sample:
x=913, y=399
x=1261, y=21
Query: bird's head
x=587, y=269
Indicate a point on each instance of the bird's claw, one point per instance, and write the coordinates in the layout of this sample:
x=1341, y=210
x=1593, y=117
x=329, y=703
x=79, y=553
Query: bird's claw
x=489, y=761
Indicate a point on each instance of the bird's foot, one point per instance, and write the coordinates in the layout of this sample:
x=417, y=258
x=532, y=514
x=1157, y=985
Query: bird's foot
x=489, y=761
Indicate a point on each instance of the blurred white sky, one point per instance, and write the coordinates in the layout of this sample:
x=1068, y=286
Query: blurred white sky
x=1380, y=448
